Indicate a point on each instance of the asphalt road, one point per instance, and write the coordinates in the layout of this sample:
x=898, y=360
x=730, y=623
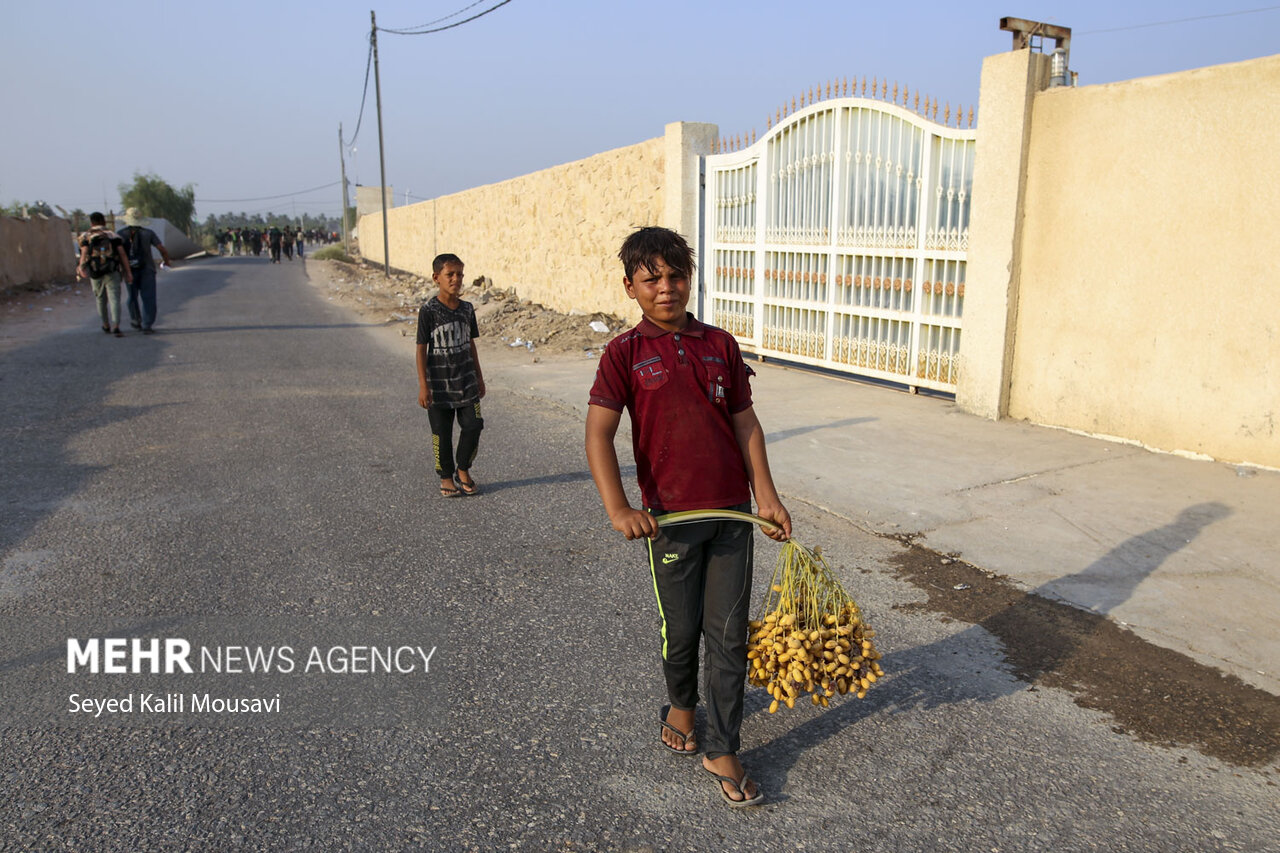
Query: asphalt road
x=257, y=475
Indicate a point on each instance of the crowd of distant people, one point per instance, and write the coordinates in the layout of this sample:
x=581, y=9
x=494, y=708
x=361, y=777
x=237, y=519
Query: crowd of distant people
x=276, y=241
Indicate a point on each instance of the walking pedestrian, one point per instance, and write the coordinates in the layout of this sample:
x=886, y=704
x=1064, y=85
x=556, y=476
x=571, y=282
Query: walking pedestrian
x=274, y=239
x=698, y=445
x=450, y=381
x=103, y=261
x=138, y=243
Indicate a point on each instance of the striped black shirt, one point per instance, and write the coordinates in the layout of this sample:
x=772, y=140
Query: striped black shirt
x=447, y=333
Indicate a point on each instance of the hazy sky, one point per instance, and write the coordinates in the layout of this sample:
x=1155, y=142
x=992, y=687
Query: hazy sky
x=244, y=99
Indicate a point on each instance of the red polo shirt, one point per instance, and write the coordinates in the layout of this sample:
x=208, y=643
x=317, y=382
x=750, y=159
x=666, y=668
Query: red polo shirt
x=680, y=389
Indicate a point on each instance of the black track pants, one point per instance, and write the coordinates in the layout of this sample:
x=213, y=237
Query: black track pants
x=702, y=578
x=469, y=423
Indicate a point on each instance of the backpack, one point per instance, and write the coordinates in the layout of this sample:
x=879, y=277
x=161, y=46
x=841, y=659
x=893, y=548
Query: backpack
x=102, y=255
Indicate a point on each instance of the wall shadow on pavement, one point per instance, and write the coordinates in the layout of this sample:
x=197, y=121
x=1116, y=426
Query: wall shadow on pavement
x=783, y=435
x=267, y=327
x=628, y=472
x=1019, y=641
x=53, y=391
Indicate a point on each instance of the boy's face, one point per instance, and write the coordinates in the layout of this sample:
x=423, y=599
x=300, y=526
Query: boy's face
x=449, y=280
x=662, y=294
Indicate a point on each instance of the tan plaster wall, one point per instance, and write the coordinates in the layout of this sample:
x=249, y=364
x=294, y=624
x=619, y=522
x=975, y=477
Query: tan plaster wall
x=1009, y=84
x=1147, y=305
x=553, y=235
x=36, y=250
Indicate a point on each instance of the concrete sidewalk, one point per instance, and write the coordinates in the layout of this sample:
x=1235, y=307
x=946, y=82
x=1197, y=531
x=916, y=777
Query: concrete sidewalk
x=1182, y=552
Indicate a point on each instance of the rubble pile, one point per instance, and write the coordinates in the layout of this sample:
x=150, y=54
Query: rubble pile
x=500, y=313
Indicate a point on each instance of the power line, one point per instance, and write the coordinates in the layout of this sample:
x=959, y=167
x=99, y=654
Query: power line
x=1180, y=20
x=266, y=197
x=416, y=32
x=445, y=18
x=364, y=96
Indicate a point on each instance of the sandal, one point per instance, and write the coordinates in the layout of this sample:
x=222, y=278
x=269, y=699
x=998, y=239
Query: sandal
x=471, y=488
x=739, y=785
x=685, y=738
x=446, y=492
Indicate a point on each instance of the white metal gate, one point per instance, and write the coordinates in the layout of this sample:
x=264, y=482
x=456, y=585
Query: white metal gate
x=839, y=240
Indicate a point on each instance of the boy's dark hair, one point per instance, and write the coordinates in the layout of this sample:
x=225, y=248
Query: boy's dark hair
x=446, y=258
x=97, y=218
x=645, y=246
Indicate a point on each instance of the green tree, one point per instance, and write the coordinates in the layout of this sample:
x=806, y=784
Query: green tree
x=153, y=197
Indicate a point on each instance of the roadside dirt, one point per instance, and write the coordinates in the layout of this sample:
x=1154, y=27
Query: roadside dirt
x=502, y=316
x=27, y=313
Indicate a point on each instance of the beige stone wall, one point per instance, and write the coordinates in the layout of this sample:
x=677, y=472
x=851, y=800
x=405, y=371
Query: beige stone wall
x=553, y=235
x=1147, y=304
x=36, y=250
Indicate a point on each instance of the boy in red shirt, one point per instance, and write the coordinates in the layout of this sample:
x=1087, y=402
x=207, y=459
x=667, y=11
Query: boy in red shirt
x=697, y=445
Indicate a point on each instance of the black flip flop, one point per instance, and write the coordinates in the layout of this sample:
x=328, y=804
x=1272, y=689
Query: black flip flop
x=684, y=738
x=739, y=785
x=472, y=488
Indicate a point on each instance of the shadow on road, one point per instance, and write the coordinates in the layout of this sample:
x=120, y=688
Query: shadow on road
x=55, y=392
x=628, y=471
x=783, y=435
x=1155, y=694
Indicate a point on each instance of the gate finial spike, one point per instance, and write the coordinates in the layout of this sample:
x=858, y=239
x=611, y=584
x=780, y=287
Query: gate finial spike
x=864, y=85
x=971, y=116
x=793, y=104
x=895, y=91
x=829, y=90
x=947, y=114
x=846, y=87
x=917, y=106
x=875, y=87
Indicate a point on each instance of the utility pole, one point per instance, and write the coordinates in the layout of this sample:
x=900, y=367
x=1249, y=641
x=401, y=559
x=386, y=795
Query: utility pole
x=382, y=161
x=346, y=240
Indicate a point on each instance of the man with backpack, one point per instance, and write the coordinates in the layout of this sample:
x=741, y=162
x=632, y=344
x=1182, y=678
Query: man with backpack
x=138, y=241
x=103, y=261
x=274, y=240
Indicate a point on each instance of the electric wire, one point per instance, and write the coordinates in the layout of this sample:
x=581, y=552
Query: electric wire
x=364, y=95
x=1179, y=21
x=446, y=17
x=413, y=32
x=267, y=197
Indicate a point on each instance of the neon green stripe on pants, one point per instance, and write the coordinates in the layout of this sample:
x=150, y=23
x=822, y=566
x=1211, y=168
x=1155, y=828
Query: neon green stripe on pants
x=653, y=573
